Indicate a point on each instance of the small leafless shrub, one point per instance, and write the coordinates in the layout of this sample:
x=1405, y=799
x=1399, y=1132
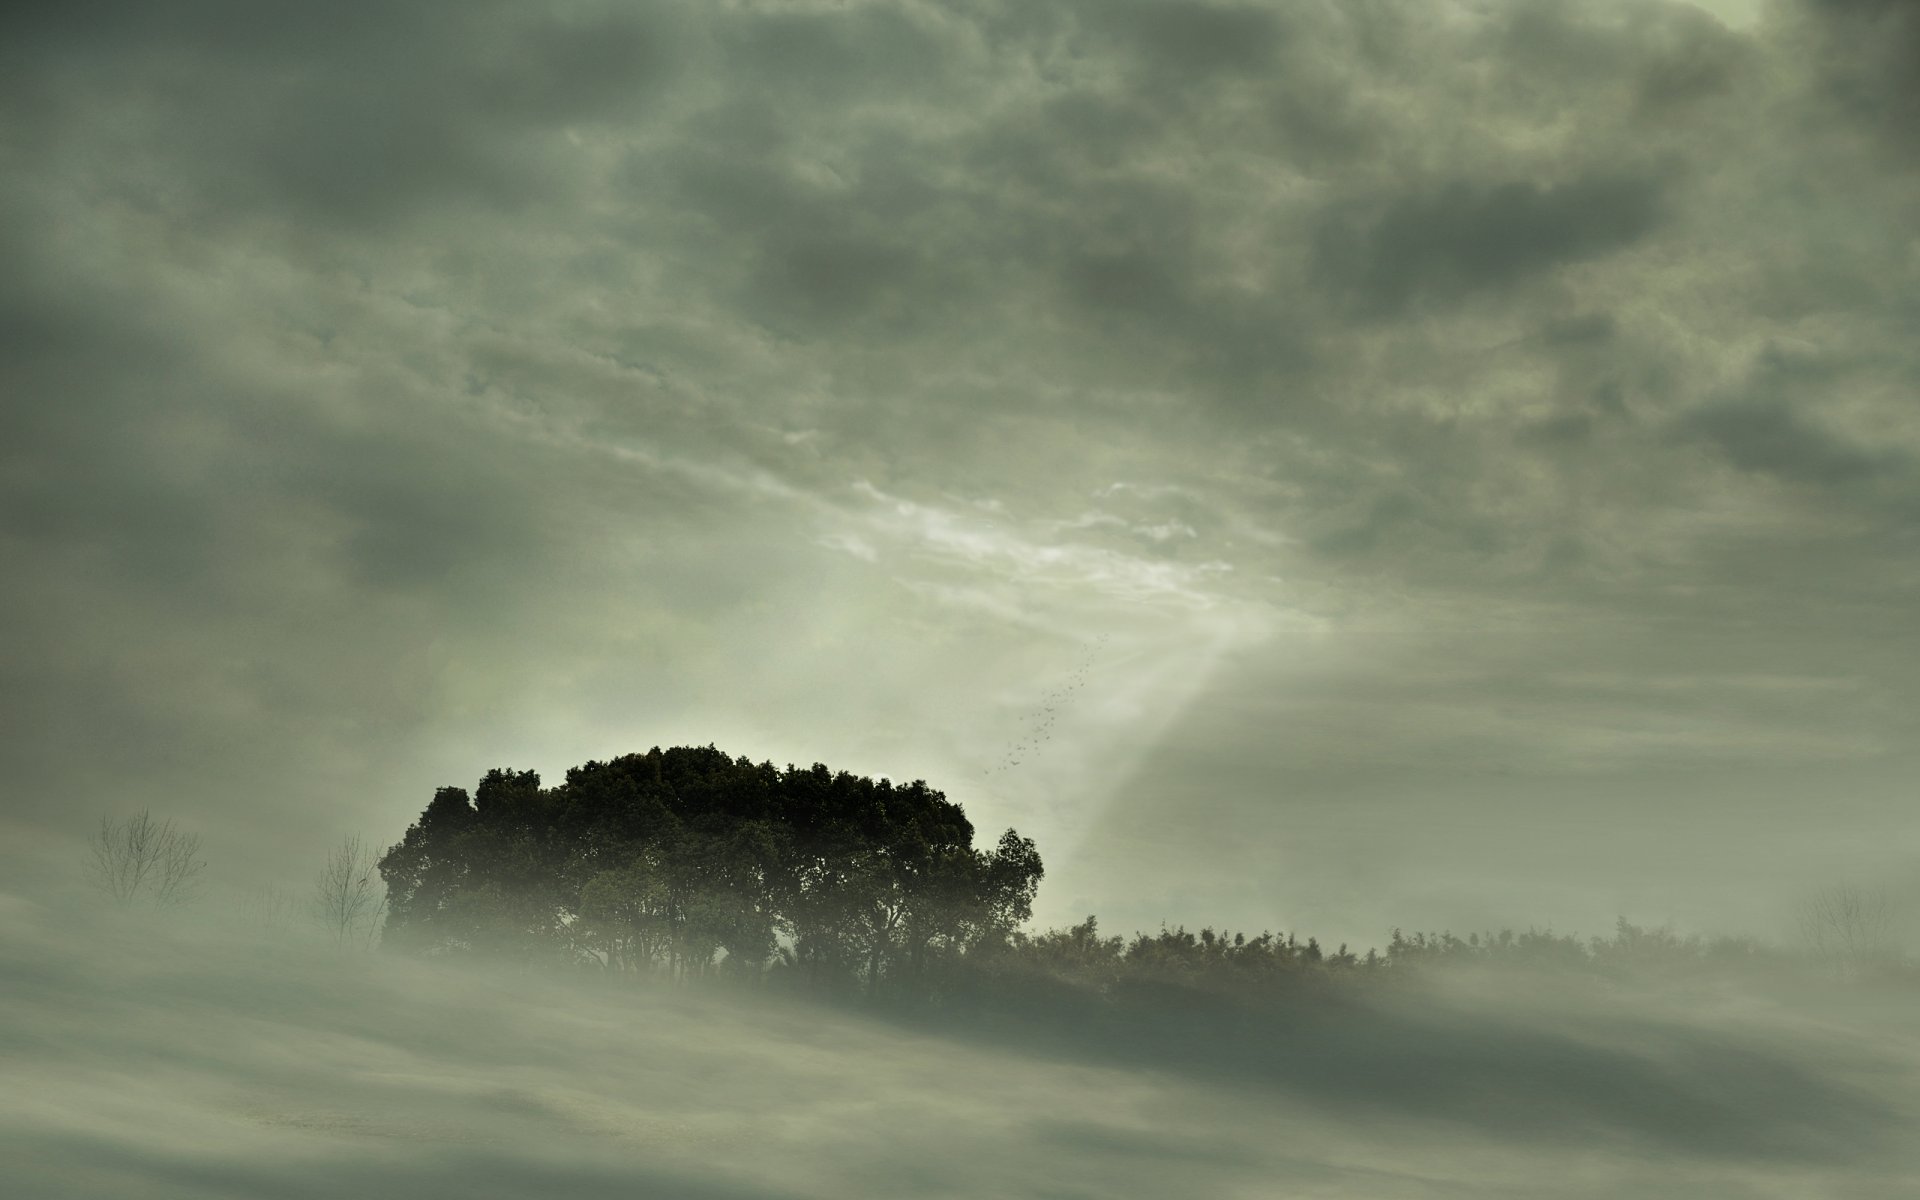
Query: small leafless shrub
x=137, y=857
x=1850, y=929
x=348, y=895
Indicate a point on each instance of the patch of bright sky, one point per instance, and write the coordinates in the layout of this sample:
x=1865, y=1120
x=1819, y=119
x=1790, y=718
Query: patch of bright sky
x=1735, y=14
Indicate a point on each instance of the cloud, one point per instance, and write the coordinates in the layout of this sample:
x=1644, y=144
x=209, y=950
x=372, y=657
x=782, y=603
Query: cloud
x=1869, y=56
x=409, y=115
x=1193, y=41
x=1771, y=437
x=395, y=385
x=1771, y=425
x=1465, y=238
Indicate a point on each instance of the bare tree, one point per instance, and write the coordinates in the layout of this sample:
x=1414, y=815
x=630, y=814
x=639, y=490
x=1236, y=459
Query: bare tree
x=176, y=877
x=1848, y=928
x=349, y=895
x=137, y=857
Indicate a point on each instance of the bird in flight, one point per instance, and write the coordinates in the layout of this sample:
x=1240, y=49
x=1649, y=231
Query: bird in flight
x=1039, y=724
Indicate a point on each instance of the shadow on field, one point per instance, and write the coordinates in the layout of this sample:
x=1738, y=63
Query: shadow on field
x=1514, y=1067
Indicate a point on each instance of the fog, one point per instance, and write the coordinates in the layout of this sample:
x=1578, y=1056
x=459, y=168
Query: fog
x=169, y=1054
x=1318, y=466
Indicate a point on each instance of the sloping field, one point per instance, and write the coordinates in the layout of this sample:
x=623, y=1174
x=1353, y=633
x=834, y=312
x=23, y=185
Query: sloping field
x=156, y=1062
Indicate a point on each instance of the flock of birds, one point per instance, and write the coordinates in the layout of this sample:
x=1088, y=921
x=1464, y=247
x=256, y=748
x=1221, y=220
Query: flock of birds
x=1039, y=730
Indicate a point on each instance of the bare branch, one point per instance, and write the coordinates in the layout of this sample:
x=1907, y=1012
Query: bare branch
x=177, y=876
x=138, y=856
x=349, y=895
x=1848, y=928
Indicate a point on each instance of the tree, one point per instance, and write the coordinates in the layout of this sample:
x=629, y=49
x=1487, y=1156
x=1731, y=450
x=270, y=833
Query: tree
x=426, y=869
x=689, y=862
x=137, y=858
x=1848, y=928
x=347, y=899
x=624, y=917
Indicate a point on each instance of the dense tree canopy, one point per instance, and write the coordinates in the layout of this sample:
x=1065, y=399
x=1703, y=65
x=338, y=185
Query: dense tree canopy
x=688, y=862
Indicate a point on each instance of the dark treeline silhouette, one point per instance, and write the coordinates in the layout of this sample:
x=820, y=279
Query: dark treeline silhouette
x=686, y=864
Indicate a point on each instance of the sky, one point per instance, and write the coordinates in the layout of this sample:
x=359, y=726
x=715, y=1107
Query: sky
x=1310, y=466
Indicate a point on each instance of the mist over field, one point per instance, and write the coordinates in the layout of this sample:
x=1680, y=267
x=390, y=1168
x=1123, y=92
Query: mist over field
x=959, y=597
x=202, y=1060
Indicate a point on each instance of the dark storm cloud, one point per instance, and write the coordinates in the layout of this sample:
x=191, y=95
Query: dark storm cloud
x=1869, y=56
x=1769, y=436
x=1465, y=238
x=349, y=116
x=829, y=279
x=1581, y=330
x=88, y=375
x=835, y=55
x=123, y=449
x=382, y=376
x=1771, y=425
x=817, y=256
x=412, y=512
x=1192, y=41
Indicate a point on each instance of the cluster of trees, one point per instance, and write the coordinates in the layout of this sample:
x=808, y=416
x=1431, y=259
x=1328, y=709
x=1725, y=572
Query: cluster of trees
x=687, y=863
x=1175, y=957
x=1631, y=949
x=1153, y=968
